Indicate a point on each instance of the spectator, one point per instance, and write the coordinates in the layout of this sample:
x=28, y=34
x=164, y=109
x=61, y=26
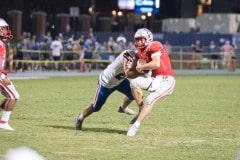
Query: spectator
x=35, y=55
x=78, y=53
x=111, y=44
x=88, y=54
x=56, y=47
x=103, y=55
x=68, y=54
x=197, y=47
x=81, y=40
x=25, y=46
x=214, y=54
x=48, y=39
x=121, y=39
x=118, y=48
x=131, y=46
x=68, y=31
x=227, y=55
x=44, y=55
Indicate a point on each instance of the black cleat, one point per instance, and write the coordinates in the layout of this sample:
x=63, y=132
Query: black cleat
x=134, y=119
x=126, y=110
x=78, y=124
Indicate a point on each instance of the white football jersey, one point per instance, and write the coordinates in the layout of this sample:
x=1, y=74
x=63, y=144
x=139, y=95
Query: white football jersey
x=114, y=74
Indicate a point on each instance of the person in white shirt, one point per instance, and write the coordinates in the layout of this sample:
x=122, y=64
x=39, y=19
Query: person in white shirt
x=56, y=47
x=121, y=38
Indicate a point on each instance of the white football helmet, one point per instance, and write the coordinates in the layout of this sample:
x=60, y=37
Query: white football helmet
x=5, y=32
x=142, y=33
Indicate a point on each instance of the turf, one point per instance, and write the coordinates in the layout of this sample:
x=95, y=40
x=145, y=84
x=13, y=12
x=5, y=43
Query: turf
x=199, y=121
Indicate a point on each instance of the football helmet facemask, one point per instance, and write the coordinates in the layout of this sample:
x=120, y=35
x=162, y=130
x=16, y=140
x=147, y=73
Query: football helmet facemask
x=5, y=32
x=142, y=38
x=131, y=55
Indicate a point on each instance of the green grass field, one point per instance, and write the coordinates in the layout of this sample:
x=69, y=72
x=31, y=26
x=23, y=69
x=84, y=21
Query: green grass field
x=199, y=121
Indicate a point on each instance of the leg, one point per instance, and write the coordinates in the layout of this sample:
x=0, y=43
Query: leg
x=2, y=105
x=136, y=86
x=126, y=102
x=139, y=84
x=8, y=104
x=86, y=112
x=101, y=96
x=124, y=87
x=144, y=112
x=159, y=88
x=124, y=107
x=138, y=94
x=141, y=116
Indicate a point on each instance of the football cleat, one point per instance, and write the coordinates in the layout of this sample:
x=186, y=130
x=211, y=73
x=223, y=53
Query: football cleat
x=126, y=110
x=132, y=131
x=78, y=125
x=6, y=126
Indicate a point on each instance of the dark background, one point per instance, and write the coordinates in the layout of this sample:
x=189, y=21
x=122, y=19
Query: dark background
x=168, y=8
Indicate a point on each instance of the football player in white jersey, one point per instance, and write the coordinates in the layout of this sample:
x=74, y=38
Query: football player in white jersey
x=113, y=78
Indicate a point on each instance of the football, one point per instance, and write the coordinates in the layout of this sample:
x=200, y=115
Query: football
x=142, y=61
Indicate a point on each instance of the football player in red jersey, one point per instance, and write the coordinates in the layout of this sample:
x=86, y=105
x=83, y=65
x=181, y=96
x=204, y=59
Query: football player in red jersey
x=160, y=84
x=6, y=86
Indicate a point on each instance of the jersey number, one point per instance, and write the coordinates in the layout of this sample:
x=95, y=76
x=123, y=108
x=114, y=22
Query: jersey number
x=120, y=76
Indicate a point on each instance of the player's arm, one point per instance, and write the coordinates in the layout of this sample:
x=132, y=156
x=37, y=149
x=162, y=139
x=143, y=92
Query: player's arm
x=154, y=63
x=129, y=69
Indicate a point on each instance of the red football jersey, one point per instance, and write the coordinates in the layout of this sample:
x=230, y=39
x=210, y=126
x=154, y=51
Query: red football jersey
x=2, y=57
x=165, y=64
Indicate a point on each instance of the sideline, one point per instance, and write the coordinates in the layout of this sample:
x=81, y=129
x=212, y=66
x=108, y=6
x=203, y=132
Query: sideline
x=47, y=74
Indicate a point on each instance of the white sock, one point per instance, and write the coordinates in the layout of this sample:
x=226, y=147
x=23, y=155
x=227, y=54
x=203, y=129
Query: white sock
x=6, y=115
x=137, y=124
x=80, y=116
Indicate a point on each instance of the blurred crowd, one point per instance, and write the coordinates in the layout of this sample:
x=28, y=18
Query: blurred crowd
x=66, y=51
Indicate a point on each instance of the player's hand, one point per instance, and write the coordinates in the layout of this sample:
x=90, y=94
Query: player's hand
x=129, y=64
x=6, y=81
x=139, y=67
